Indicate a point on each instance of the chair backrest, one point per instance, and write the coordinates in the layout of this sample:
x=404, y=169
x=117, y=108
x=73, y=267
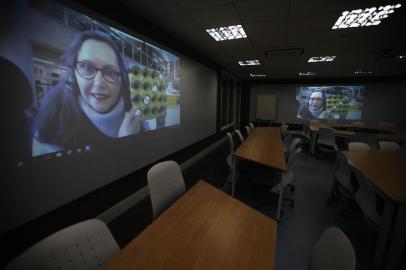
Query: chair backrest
x=251, y=125
x=288, y=176
x=86, y=245
x=293, y=145
x=239, y=134
x=358, y=146
x=343, y=173
x=333, y=251
x=386, y=145
x=366, y=198
x=331, y=121
x=166, y=185
x=247, y=130
x=230, y=156
x=369, y=138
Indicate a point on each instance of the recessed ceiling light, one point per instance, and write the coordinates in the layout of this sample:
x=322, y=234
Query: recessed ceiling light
x=306, y=73
x=257, y=75
x=361, y=72
x=321, y=59
x=366, y=17
x=249, y=63
x=227, y=32
x=402, y=56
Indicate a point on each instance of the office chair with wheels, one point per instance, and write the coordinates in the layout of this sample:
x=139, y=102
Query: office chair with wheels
x=333, y=251
x=84, y=246
x=286, y=179
x=166, y=185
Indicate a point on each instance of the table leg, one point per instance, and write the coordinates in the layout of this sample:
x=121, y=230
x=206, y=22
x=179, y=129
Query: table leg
x=233, y=179
x=384, y=233
x=398, y=241
x=313, y=142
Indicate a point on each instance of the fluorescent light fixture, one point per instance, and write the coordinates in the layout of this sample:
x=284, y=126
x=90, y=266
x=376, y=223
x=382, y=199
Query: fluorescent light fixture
x=257, y=75
x=227, y=33
x=361, y=72
x=306, y=73
x=249, y=63
x=315, y=59
x=402, y=56
x=366, y=17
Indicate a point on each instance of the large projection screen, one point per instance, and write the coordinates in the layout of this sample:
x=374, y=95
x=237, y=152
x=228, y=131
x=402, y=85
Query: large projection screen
x=105, y=103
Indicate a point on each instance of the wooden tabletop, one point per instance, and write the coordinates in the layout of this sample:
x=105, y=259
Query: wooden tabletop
x=386, y=169
x=264, y=145
x=204, y=229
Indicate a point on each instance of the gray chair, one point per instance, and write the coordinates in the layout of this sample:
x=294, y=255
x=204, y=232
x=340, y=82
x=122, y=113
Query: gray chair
x=358, y=146
x=166, y=185
x=366, y=199
x=386, y=145
x=386, y=126
x=84, y=246
x=251, y=125
x=247, y=130
x=239, y=135
x=333, y=251
x=284, y=129
x=286, y=180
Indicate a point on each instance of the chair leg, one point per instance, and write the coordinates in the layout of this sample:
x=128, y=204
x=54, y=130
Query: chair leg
x=278, y=213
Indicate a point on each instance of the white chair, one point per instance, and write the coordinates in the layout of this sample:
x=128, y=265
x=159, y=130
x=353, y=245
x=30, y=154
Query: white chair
x=286, y=179
x=166, y=185
x=86, y=245
x=333, y=251
x=252, y=126
x=386, y=145
x=239, y=134
x=358, y=146
x=248, y=130
x=230, y=157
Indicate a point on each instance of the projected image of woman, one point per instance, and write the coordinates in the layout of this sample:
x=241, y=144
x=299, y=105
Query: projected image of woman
x=315, y=108
x=92, y=105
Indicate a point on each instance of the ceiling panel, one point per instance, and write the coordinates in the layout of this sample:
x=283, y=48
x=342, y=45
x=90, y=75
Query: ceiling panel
x=263, y=10
x=216, y=17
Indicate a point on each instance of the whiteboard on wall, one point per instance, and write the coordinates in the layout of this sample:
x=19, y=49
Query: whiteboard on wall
x=266, y=107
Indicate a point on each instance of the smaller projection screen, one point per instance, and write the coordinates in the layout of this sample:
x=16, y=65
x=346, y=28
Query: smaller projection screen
x=330, y=102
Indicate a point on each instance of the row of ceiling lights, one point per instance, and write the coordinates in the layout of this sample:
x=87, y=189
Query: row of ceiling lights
x=348, y=19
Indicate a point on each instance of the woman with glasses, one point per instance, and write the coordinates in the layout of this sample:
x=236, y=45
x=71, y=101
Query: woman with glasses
x=315, y=108
x=92, y=105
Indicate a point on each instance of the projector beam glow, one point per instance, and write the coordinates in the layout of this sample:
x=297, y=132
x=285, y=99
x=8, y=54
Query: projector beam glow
x=249, y=63
x=366, y=17
x=315, y=59
x=227, y=33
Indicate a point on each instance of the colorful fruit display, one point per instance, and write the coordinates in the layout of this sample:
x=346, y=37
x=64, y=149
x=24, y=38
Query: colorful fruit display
x=147, y=92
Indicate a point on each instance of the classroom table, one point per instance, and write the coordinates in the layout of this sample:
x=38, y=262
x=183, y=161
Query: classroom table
x=204, y=229
x=263, y=146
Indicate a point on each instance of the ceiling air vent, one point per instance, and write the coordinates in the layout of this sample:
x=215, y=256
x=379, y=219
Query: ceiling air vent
x=290, y=52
